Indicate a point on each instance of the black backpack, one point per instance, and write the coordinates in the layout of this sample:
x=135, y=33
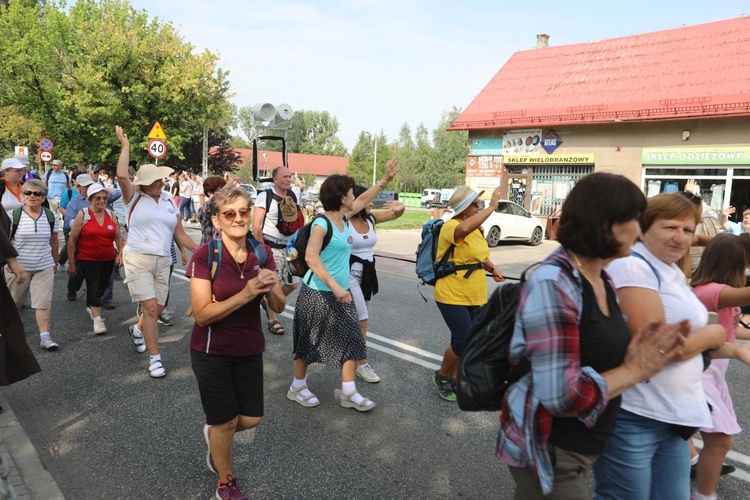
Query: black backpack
x=296, y=246
x=484, y=370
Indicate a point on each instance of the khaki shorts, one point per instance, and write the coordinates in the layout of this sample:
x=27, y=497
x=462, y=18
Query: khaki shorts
x=282, y=267
x=41, y=284
x=147, y=276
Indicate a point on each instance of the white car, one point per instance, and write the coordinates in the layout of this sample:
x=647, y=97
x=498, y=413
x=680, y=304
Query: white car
x=509, y=222
x=251, y=190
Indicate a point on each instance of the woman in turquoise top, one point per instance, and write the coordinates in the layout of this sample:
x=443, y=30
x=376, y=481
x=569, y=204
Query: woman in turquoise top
x=326, y=325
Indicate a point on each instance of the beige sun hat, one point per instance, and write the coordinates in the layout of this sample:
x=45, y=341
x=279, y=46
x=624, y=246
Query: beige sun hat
x=150, y=173
x=462, y=198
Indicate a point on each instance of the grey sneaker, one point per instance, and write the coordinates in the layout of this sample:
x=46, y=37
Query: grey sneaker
x=366, y=373
x=445, y=387
x=209, y=458
x=165, y=319
x=48, y=344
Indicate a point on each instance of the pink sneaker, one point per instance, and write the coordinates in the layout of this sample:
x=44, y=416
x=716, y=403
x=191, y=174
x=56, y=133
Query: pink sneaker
x=230, y=491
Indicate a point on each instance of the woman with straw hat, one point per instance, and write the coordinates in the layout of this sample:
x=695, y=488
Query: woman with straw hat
x=153, y=222
x=459, y=296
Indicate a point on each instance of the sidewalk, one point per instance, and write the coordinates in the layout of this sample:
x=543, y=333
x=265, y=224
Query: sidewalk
x=28, y=478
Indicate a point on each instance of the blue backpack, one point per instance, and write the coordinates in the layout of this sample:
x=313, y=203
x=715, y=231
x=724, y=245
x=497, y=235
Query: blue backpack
x=428, y=268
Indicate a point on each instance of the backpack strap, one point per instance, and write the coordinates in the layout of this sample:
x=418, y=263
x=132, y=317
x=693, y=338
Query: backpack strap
x=326, y=238
x=17, y=218
x=132, y=208
x=15, y=221
x=50, y=219
x=216, y=252
x=639, y=256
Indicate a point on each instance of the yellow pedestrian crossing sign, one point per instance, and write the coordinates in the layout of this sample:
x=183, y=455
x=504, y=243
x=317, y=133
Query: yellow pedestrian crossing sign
x=157, y=132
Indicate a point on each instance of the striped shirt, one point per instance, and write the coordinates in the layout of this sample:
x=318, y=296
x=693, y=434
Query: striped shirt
x=32, y=242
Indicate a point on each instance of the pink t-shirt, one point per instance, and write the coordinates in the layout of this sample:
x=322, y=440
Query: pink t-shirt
x=240, y=333
x=708, y=294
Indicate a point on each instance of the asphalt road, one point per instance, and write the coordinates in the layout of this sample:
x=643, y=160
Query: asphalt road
x=104, y=429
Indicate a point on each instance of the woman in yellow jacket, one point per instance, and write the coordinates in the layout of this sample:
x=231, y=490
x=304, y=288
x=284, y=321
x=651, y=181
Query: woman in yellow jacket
x=459, y=296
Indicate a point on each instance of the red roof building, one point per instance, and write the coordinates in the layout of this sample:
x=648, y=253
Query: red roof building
x=299, y=163
x=654, y=107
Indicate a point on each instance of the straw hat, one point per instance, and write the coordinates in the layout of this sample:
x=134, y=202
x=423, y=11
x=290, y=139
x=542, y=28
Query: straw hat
x=150, y=173
x=462, y=198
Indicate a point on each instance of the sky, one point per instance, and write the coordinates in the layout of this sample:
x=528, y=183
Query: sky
x=376, y=65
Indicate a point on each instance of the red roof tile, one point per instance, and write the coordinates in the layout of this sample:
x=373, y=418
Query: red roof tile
x=301, y=163
x=694, y=71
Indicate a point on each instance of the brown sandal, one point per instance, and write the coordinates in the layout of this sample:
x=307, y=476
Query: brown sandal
x=276, y=328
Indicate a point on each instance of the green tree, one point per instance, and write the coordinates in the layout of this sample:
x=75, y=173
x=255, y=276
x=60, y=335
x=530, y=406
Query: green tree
x=450, y=150
x=77, y=72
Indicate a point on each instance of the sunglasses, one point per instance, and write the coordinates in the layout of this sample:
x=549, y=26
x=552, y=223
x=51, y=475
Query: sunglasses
x=231, y=214
x=33, y=193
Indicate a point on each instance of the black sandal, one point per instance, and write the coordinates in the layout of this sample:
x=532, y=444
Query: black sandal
x=276, y=328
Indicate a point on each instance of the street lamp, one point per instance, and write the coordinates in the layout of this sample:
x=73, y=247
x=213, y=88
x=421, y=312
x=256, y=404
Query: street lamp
x=375, y=159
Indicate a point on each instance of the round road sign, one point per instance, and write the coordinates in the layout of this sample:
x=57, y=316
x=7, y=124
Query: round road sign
x=157, y=148
x=45, y=145
x=45, y=156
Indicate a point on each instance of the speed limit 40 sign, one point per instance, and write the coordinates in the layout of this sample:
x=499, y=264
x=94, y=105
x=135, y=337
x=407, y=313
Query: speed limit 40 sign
x=157, y=148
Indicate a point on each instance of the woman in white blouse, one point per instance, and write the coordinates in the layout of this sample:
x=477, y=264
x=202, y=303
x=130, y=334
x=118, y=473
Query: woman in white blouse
x=648, y=456
x=153, y=222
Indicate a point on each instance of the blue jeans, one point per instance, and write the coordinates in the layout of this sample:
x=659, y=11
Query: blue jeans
x=643, y=460
x=185, y=211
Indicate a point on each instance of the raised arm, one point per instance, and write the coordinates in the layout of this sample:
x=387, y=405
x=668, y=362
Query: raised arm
x=365, y=198
x=122, y=166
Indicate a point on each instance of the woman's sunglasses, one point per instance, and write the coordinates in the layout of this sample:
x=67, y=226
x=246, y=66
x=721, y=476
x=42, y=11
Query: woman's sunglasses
x=33, y=193
x=231, y=214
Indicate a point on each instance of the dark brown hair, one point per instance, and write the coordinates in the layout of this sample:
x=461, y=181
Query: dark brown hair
x=724, y=261
x=213, y=183
x=594, y=205
x=333, y=189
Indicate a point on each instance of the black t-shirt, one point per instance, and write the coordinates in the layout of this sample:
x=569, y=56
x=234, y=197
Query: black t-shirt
x=603, y=342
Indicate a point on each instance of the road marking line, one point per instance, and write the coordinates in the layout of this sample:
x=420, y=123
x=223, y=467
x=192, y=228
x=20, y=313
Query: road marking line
x=732, y=455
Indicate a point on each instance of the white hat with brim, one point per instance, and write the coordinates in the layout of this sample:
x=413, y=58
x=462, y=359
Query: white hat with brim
x=12, y=163
x=93, y=189
x=84, y=180
x=462, y=198
x=149, y=173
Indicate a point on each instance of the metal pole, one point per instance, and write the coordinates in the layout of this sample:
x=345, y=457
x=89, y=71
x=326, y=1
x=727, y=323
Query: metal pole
x=205, y=151
x=375, y=163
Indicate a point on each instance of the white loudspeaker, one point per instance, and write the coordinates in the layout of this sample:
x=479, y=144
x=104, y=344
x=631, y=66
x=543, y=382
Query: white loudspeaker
x=264, y=112
x=284, y=112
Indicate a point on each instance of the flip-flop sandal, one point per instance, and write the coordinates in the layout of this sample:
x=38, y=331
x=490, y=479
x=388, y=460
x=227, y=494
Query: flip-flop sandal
x=276, y=328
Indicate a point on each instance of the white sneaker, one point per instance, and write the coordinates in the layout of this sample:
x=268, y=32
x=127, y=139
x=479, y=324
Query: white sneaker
x=366, y=373
x=99, y=326
x=49, y=344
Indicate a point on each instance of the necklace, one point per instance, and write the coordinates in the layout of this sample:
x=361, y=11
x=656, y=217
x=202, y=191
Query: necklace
x=575, y=258
x=241, y=268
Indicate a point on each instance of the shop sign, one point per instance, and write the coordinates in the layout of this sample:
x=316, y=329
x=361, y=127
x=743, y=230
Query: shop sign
x=522, y=142
x=487, y=147
x=551, y=142
x=582, y=159
x=484, y=166
x=696, y=156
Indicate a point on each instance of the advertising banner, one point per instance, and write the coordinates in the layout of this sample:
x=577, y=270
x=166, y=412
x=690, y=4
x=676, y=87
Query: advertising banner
x=522, y=142
x=697, y=156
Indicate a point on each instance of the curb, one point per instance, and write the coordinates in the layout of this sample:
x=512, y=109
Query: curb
x=28, y=477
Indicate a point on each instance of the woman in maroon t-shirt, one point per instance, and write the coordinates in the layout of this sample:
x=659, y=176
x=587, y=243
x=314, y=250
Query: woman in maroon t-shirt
x=227, y=343
x=91, y=244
